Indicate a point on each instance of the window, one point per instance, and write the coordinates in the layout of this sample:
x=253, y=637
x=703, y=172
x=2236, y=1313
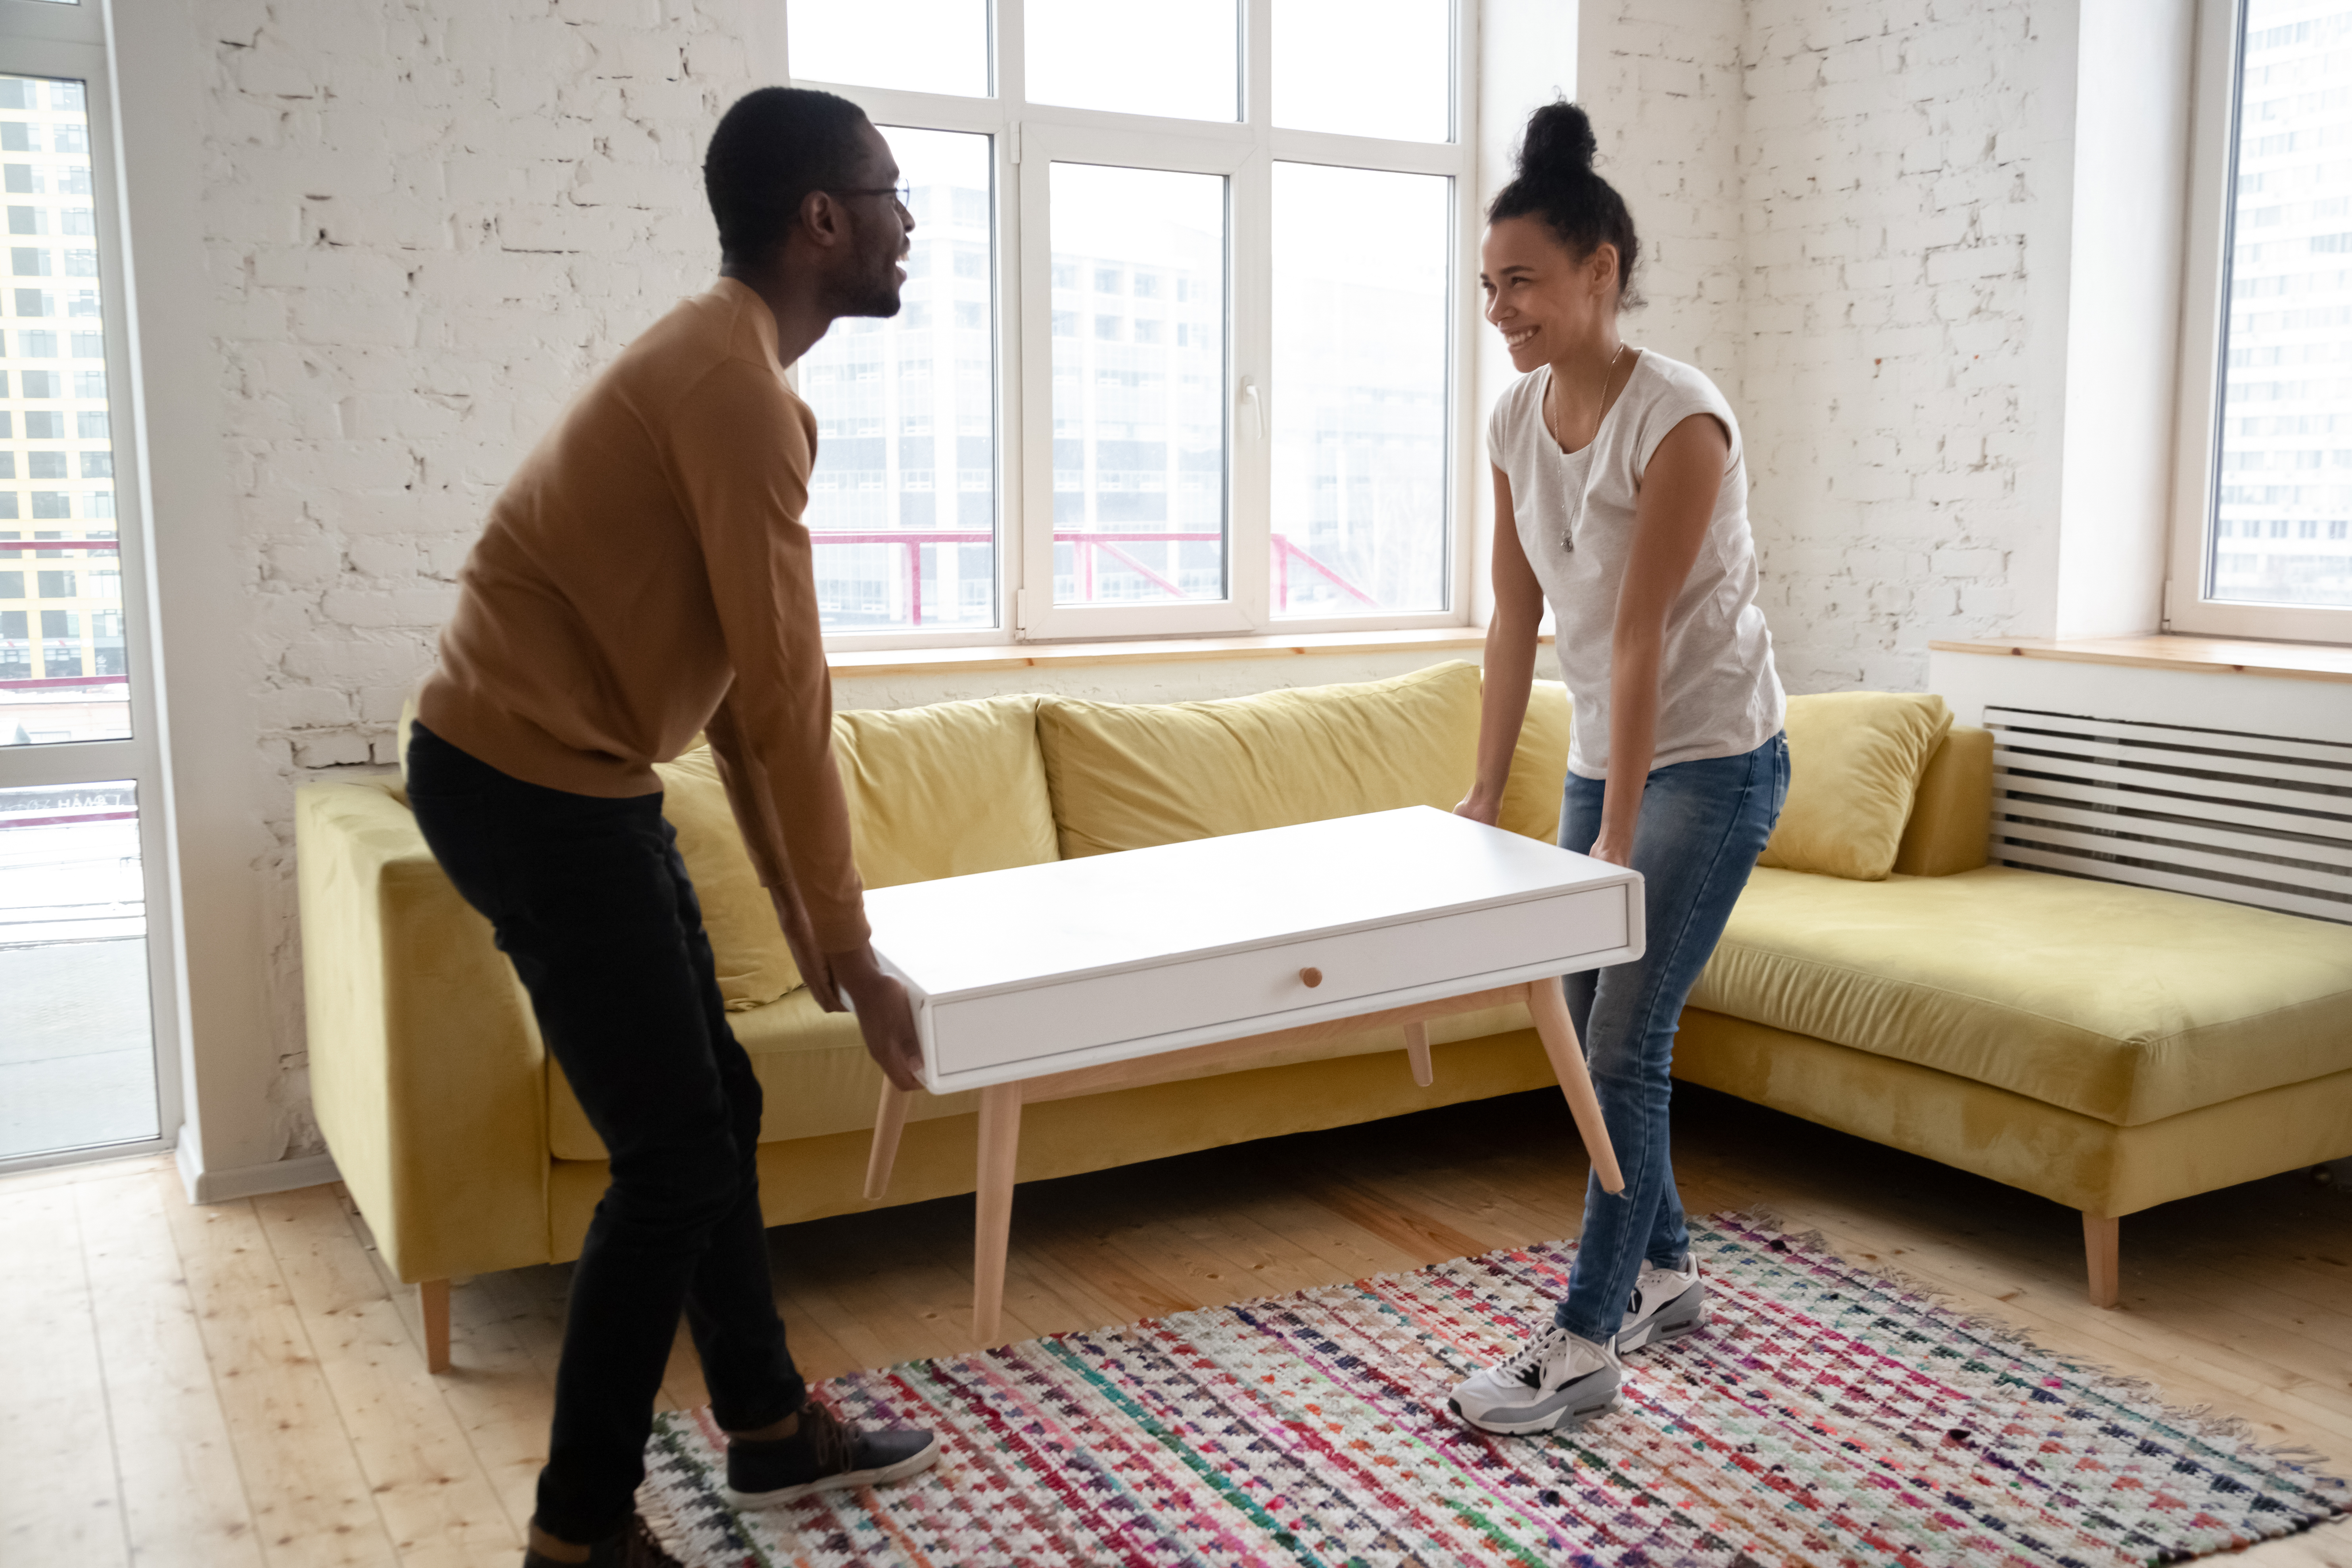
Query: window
x=35, y=302
x=28, y=220
x=1211, y=424
x=2264, y=409
x=54, y=586
x=45, y=465
x=97, y=465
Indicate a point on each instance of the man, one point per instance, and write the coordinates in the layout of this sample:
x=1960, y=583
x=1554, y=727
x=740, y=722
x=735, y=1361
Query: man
x=645, y=576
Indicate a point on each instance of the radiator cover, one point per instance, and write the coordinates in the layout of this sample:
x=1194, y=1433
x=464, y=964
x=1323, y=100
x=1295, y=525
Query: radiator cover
x=2252, y=819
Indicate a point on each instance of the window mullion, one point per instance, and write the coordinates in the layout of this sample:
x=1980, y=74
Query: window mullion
x=1251, y=438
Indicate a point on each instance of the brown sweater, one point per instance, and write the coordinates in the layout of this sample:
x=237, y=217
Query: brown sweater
x=645, y=575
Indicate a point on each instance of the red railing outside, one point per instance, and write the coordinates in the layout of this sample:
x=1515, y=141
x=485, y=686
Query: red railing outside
x=41, y=682
x=912, y=542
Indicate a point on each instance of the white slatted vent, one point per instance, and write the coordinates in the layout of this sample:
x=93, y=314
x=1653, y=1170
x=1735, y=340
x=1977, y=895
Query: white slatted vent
x=2254, y=819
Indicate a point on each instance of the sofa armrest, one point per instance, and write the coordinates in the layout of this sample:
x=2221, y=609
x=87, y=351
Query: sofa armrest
x=426, y=1072
x=1952, y=814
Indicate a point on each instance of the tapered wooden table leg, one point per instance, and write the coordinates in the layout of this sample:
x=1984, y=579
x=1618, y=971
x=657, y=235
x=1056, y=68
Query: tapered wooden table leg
x=1416, y=1051
x=1000, y=1143
x=1559, y=1031
x=889, y=1120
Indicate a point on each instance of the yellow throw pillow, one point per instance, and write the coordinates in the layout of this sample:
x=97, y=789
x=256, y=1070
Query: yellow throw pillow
x=1539, y=766
x=1125, y=777
x=939, y=791
x=944, y=790
x=1854, y=762
x=753, y=961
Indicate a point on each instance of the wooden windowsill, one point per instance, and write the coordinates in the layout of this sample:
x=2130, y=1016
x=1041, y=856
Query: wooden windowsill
x=1167, y=650
x=2229, y=656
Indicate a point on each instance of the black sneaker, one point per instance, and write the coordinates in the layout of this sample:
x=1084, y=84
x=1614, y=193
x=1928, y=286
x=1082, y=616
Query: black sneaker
x=823, y=1454
x=634, y=1547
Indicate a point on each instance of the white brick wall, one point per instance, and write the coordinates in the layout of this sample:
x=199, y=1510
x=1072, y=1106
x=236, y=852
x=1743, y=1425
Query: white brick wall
x=1886, y=398
x=426, y=223
x=1843, y=245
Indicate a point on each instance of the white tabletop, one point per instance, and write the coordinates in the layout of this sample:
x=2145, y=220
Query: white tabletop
x=1105, y=913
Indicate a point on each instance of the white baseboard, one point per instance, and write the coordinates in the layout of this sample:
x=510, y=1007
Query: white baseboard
x=250, y=1180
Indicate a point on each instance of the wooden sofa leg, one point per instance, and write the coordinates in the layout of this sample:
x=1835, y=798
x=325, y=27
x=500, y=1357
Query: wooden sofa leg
x=433, y=1297
x=2101, y=1246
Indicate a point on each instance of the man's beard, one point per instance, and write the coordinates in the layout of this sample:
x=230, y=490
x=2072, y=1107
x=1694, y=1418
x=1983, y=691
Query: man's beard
x=875, y=292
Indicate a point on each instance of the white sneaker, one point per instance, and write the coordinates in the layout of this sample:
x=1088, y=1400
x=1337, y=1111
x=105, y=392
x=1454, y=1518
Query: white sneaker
x=1556, y=1379
x=1667, y=1303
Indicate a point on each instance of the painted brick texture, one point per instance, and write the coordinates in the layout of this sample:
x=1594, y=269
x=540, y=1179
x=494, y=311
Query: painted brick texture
x=427, y=222
x=1886, y=175
x=1841, y=244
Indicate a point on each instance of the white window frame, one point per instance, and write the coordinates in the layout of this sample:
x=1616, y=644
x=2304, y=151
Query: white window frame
x=69, y=41
x=2213, y=197
x=1026, y=139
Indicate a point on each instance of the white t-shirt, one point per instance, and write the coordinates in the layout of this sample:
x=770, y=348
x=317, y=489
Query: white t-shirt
x=1718, y=695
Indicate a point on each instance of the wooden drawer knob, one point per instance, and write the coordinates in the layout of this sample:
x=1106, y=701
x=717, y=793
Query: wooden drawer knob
x=1313, y=978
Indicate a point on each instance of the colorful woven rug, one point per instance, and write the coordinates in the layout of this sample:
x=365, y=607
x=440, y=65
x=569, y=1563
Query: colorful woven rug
x=1825, y=1415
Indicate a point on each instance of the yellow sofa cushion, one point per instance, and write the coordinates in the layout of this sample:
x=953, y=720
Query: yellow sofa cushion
x=1538, y=766
x=937, y=791
x=2125, y=1004
x=1854, y=762
x=1125, y=777
x=747, y=946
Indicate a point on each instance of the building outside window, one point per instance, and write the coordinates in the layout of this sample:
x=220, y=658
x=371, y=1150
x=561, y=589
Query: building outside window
x=2261, y=543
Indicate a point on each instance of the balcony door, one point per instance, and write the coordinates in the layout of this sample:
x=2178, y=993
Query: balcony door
x=86, y=976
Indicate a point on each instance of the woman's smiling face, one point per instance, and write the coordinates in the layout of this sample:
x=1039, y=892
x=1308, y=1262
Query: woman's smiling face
x=1538, y=296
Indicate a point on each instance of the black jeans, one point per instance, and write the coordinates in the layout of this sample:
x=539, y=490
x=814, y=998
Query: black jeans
x=590, y=900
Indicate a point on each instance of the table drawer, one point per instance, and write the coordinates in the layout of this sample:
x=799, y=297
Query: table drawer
x=1258, y=990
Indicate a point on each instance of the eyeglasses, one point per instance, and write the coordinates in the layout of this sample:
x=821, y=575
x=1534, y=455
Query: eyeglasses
x=902, y=191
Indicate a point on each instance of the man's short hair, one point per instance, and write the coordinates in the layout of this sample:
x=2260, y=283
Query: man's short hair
x=770, y=150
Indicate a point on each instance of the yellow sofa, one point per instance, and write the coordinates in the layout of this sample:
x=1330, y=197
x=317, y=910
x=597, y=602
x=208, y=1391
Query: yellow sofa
x=2106, y=1047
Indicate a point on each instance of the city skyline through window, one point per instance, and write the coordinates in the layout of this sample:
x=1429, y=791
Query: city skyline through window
x=63, y=661
x=2282, y=521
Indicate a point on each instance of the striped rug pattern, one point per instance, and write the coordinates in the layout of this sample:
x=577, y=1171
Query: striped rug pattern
x=1825, y=1415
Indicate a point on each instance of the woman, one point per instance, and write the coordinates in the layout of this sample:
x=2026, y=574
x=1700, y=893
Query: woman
x=1619, y=496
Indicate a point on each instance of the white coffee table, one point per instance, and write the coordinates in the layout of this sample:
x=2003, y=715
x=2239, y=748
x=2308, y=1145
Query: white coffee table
x=1070, y=978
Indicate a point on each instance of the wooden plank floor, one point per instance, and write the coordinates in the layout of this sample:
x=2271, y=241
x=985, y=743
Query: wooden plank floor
x=239, y=1385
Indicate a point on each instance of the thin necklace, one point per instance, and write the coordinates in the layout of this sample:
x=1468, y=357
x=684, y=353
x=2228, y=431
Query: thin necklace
x=1568, y=527
x=1606, y=371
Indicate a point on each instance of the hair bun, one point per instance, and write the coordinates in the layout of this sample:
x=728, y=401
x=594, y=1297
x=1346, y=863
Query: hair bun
x=1559, y=144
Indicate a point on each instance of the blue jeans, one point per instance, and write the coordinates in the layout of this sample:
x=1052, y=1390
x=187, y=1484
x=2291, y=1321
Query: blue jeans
x=1702, y=825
